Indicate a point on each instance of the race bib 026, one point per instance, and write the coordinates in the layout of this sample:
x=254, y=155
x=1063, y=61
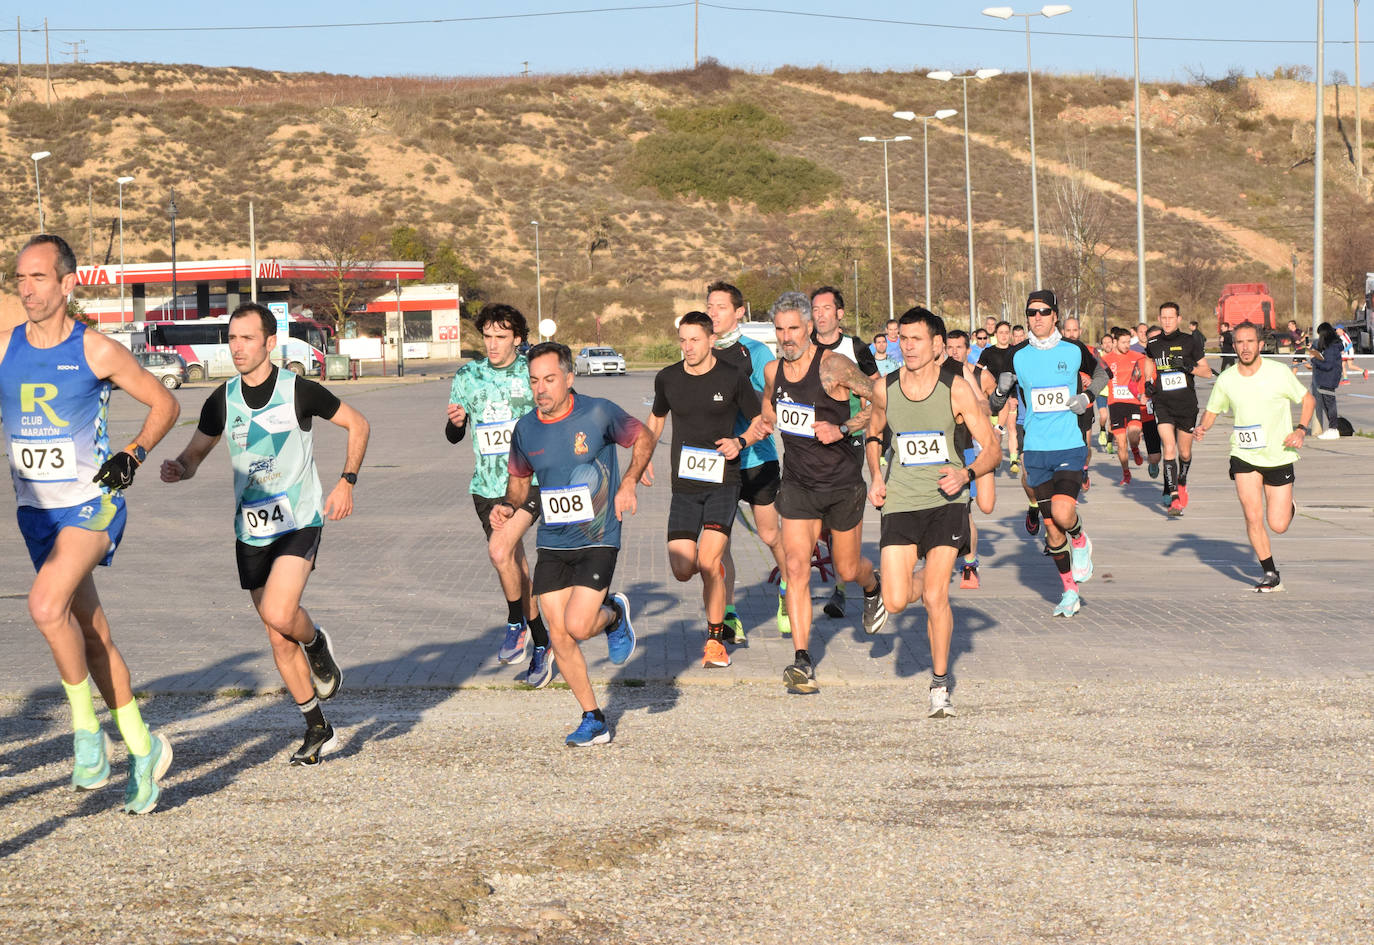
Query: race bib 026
x=571, y=505
x=268, y=518
x=44, y=460
x=493, y=439
x=1173, y=380
x=797, y=419
x=922, y=448
x=1050, y=399
x=701, y=465
x=1249, y=438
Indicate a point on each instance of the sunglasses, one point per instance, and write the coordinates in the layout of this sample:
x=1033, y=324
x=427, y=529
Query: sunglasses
x=1032, y=312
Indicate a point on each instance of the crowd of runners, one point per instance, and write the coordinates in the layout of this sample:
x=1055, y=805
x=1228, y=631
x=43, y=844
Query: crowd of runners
x=926, y=409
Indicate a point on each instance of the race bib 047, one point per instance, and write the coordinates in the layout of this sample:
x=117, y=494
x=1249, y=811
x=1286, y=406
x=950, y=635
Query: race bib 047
x=701, y=465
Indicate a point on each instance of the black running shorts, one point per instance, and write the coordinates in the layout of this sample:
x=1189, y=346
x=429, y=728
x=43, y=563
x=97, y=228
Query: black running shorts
x=560, y=568
x=944, y=525
x=689, y=513
x=1124, y=415
x=483, y=505
x=758, y=485
x=255, y=561
x=1182, y=413
x=1273, y=475
x=1150, y=430
x=839, y=510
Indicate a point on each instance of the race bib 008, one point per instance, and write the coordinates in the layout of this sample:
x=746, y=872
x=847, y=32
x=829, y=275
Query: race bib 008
x=571, y=505
x=701, y=465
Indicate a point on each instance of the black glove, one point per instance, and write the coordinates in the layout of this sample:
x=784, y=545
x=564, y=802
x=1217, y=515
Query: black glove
x=118, y=472
x=1177, y=363
x=1005, y=382
x=1150, y=388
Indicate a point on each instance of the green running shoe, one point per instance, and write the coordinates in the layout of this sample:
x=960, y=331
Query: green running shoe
x=784, y=621
x=92, y=769
x=734, y=630
x=142, y=793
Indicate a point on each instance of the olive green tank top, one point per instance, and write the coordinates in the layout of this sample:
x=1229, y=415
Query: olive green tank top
x=922, y=445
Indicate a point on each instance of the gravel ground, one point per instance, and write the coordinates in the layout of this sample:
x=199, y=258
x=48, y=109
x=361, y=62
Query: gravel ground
x=1200, y=811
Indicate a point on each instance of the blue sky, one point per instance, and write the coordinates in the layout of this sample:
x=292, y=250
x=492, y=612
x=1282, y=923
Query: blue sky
x=657, y=34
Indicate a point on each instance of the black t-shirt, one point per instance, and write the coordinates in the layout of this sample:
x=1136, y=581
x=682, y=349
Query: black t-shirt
x=704, y=408
x=853, y=349
x=995, y=359
x=1175, y=344
x=312, y=400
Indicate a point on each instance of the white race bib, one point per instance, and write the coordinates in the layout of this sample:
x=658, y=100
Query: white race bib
x=1050, y=399
x=922, y=448
x=796, y=419
x=44, y=460
x=268, y=518
x=701, y=465
x=1249, y=438
x=493, y=439
x=1173, y=380
x=571, y=505
x=1122, y=392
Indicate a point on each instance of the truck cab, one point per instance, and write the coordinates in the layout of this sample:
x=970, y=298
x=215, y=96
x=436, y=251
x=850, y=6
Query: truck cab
x=1249, y=302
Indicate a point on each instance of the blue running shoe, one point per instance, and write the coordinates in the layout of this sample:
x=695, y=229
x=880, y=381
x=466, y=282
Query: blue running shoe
x=1082, y=561
x=142, y=793
x=540, y=673
x=92, y=751
x=1068, y=604
x=591, y=732
x=620, y=639
x=516, y=645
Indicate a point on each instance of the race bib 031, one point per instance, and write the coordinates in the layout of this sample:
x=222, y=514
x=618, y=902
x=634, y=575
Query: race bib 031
x=1249, y=438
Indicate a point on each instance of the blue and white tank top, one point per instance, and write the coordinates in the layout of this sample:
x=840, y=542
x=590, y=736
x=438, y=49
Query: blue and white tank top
x=273, y=459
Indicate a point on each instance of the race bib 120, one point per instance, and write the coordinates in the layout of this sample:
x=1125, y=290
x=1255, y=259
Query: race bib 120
x=797, y=419
x=44, y=460
x=701, y=465
x=493, y=439
x=922, y=448
x=571, y=505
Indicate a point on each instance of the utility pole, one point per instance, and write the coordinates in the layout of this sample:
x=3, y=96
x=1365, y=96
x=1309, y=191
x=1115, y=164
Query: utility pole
x=1359, y=136
x=75, y=47
x=696, y=32
x=1318, y=259
x=172, y=209
x=526, y=64
x=47, y=65
x=19, y=55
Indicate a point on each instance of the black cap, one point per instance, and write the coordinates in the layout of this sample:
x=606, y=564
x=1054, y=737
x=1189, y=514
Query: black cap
x=1043, y=295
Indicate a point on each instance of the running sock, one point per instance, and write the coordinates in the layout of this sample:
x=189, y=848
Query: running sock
x=782, y=588
x=1267, y=564
x=715, y=630
x=538, y=632
x=316, y=640
x=877, y=586
x=1170, y=476
x=1183, y=465
x=1075, y=531
x=731, y=612
x=132, y=729
x=802, y=655
x=83, y=708
x=314, y=715
x=619, y=614
x=515, y=611
x=1061, y=559
x=937, y=681
x=596, y=714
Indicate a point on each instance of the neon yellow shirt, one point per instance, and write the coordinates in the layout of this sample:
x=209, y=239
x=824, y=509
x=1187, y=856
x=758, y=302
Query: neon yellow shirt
x=1260, y=406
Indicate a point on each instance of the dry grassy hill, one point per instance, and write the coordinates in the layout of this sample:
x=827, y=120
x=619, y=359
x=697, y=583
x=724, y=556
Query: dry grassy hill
x=649, y=185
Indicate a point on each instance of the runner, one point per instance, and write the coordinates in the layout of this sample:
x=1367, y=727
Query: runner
x=1128, y=371
x=1049, y=373
x=55, y=379
x=918, y=411
x=1105, y=345
x=759, y=471
x=705, y=395
x=569, y=442
x=827, y=312
x=1154, y=446
x=983, y=488
x=996, y=360
x=280, y=507
x=822, y=477
x=495, y=390
x=1178, y=358
x=1264, y=443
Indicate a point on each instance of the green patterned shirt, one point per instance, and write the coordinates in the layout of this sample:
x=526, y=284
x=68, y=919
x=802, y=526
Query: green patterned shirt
x=494, y=399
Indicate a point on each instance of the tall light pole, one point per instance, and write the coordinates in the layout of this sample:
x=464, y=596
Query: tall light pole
x=172, y=210
x=1318, y=262
x=945, y=75
x=1006, y=13
x=121, y=181
x=1359, y=135
x=1139, y=173
x=887, y=201
x=37, y=186
x=538, y=290
x=925, y=120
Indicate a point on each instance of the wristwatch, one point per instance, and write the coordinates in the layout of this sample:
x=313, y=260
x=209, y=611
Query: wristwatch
x=1303, y=428
x=844, y=428
x=350, y=478
x=137, y=452
x=742, y=445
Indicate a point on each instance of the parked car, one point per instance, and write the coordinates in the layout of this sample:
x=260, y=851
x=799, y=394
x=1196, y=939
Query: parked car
x=167, y=366
x=598, y=361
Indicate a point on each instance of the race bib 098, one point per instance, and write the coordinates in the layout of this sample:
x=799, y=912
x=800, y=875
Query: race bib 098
x=1050, y=399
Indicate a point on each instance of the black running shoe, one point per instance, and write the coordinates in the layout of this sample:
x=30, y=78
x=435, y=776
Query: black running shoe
x=800, y=677
x=325, y=674
x=834, y=608
x=875, y=614
x=320, y=740
x=1032, y=520
x=1270, y=583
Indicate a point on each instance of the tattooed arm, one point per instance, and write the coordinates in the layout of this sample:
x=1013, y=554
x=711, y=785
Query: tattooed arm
x=841, y=377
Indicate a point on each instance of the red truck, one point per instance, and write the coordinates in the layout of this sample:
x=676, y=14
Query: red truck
x=1248, y=302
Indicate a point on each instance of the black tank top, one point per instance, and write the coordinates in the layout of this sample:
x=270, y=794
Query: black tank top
x=807, y=461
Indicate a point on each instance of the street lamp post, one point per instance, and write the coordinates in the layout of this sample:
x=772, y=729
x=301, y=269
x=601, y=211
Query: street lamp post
x=1006, y=13
x=37, y=185
x=1139, y=174
x=121, y=181
x=538, y=290
x=887, y=201
x=925, y=120
x=172, y=210
x=944, y=75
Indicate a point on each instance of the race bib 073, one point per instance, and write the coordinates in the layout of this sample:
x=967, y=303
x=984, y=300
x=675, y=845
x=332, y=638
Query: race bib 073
x=701, y=465
x=922, y=448
x=1173, y=380
x=1249, y=438
x=493, y=439
x=797, y=419
x=571, y=505
x=268, y=518
x=44, y=460
x=1050, y=399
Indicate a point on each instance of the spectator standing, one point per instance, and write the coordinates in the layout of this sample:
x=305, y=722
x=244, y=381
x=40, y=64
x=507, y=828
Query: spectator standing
x=1325, y=357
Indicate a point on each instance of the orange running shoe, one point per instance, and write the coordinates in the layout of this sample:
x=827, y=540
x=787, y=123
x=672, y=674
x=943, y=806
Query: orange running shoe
x=969, y=581
x=1182, y=495
x=1125, y=478
x=715, y=654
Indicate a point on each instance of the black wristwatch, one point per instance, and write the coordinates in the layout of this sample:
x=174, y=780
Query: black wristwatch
x=137, y=452
x=350, y=478
x=844, y=428
x=1303, y=428
x=742, y=445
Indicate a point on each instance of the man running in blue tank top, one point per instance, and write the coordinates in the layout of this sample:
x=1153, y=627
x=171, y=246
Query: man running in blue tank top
x=55, y=382
x=1057, y=380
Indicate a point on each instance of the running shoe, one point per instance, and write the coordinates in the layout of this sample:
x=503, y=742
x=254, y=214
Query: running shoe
x=1111, y=448
x=1082, y=561
x=1085, y=481
x=320, y=740
x=620, y=639
x=325, y=674
x=1270, y=583
x=734, y=629
x=834, y=608
x=1329, y=433
x=540, y=673
x=1015, y=467
x=800, y=677
x=1125, y=478
x=1183, y=495
x=1101, y=442
x=516, y=645
x=92, y=750
x=875, y=614
x=1135, y=455
x=1176, y=507
x=592, y=731
x=142, y=792
x=784, y=621
x=1032, y=520
x=1154, y=470
x=940, y=706
x=969, y=582
x=715, y=654
x=1068, y=604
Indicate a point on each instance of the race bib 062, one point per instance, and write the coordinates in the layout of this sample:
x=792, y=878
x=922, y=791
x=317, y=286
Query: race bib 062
x=571, y=505
x=797, y=419
x=44, y=460
x=922, y=448
x=701, y=465
x=1249, y=438
x=1173, y=380
x=1050, y=399
x=493, y=439
x=268, y=518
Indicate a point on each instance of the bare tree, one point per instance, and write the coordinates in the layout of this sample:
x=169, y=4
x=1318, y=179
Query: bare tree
x=1348, y=253
x=598, y=228
x=1082, y=221
x=343, y=243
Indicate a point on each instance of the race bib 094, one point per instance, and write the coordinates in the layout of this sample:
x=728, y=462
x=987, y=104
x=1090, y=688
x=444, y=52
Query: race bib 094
x=268, y=518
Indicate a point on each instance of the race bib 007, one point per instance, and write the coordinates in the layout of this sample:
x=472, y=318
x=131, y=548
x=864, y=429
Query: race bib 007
x=571, y=505
x=44, y=460
x=1173, y=380
x=701, y=465
x=268, y=518
x=493, y=439
x=1050, y=399
x=1249, y=438
x=922, y=448
x=797, y=419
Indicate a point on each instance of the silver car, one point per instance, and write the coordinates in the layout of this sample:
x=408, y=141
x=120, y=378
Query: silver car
x=593, y=360
x=166, y=366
